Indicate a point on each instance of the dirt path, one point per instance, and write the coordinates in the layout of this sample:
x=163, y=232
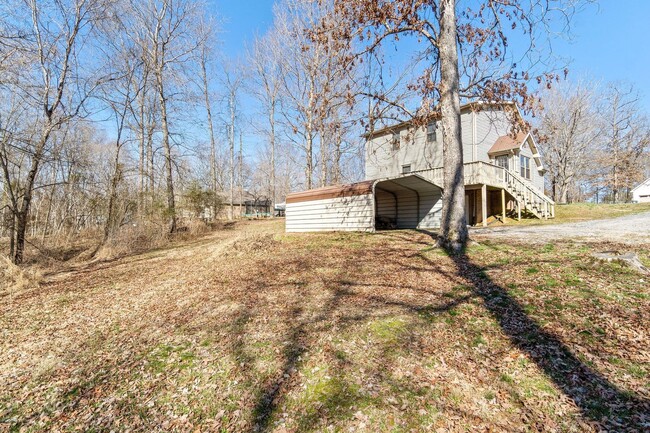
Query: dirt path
x=629, y=229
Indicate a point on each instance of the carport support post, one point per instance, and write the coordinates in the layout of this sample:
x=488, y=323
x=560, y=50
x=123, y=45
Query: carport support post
x=503, y=205
x=484, y=204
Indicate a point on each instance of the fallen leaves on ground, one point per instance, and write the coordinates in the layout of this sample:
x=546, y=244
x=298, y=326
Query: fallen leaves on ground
x=250, y=329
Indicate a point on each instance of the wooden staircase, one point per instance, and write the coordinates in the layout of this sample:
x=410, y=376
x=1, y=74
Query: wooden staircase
x=527, y=197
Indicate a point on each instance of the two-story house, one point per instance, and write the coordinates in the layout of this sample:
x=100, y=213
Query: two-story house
x=502, y=172
x=404, y=167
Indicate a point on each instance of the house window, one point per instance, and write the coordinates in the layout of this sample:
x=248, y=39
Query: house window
x=431, y=132
x=395, y=141
x=524, y=162
x=406, y=169
x=502, y=161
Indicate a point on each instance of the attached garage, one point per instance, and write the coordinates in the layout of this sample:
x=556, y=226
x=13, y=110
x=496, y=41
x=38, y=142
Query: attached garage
x=403, y=202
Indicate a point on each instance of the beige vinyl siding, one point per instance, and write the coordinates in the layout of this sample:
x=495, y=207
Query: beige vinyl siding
x=535, y=177
x=383, y=161
x=467, y=136
x=353, y=213
x=478, y=136
x=490, y=125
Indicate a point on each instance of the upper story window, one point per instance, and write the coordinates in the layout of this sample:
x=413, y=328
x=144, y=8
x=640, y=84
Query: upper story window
x=502, y=161
x=396, y=141
x=431, y=132
x=524, y=165
x=406, y=169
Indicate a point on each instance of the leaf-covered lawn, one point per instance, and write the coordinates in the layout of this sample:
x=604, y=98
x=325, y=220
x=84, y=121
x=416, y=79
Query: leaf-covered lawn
x=251, y=329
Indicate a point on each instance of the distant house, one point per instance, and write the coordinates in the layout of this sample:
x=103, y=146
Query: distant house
x=250, y=206
x=641, y=193
x=503, y=173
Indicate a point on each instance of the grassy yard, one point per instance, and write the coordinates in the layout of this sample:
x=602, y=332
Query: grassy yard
x=251, y=329
x=575, y=212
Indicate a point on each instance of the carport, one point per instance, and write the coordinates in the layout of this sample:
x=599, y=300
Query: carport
x=407, y=202
x=402, y=202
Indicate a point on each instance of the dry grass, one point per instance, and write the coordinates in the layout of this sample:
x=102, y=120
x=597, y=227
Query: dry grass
x=250, y=329
x=14, y=279
x=586, y=212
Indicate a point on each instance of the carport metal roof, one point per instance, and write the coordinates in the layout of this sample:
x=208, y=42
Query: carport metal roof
x=410, y=182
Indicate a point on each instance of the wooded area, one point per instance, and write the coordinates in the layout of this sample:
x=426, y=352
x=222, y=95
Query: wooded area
x=122, y=120
x=596, y=142
x=124, y=115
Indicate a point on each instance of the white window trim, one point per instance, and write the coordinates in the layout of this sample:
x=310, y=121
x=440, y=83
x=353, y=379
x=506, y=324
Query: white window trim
x=434, y=132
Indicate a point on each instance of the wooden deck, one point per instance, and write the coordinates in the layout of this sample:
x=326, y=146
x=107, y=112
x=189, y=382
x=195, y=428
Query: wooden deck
x=482, y=174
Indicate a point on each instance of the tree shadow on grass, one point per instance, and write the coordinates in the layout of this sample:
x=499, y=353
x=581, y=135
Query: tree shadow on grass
x=598, y=399
x=341, y=396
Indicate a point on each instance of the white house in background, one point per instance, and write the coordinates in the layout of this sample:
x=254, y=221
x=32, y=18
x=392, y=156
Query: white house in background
x=641, y=193
x=404, y=167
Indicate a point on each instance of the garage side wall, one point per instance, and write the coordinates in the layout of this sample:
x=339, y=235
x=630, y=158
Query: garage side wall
x=430, y=210
x=354, y=213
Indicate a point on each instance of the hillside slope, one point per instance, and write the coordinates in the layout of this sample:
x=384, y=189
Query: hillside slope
x=249, y=329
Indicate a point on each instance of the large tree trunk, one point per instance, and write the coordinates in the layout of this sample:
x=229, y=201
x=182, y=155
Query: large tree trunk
x=150, y=164
x=615, y=191
x=324, y=153
x=142, y=132
x=109, y=225
x=143, y=159
x=336, y=169
x=240, y=175
x=453, y=229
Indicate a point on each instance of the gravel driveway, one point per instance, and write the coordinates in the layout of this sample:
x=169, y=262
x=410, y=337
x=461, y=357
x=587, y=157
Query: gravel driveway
x=629, y=229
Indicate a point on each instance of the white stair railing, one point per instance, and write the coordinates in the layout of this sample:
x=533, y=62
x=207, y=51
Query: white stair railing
x=480, y=172
x=531, y=199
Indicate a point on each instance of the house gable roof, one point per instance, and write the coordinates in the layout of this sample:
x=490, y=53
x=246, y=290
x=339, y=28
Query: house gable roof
x=507, y=143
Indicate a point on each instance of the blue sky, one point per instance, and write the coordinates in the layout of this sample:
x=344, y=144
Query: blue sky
x=610, y=40
x=611, y=43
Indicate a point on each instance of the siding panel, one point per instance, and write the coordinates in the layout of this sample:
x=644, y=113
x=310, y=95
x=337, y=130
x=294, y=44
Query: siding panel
x=345, y=213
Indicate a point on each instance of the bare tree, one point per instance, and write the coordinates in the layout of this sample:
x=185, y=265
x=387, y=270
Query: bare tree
x=54, y=83
x=172, y=44
x=626, y=135
x=266, y=60
x=301, y=75
x=569, y=128
x=465, y=54
x=205, y=60
x=233, y=80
